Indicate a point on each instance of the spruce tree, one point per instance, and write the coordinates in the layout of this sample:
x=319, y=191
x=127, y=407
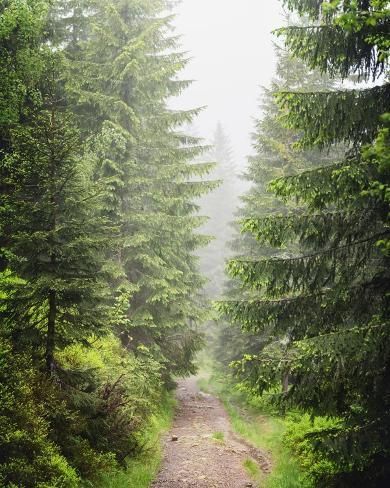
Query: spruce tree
x=53, y=292
x=55, y=239
x=331, y=295
x=274, y=157
x=219, y=207
x=22, y=33
x=131, y=70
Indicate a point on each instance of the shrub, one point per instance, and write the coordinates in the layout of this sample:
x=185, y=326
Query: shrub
x=28, y=458
x=301, y=437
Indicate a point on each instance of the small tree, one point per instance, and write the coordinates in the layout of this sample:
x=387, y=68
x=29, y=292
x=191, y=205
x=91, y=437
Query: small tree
x=56, y=238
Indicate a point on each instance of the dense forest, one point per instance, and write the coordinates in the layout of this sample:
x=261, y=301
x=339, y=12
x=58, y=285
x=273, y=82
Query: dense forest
x=109, y=264
x=100, y=291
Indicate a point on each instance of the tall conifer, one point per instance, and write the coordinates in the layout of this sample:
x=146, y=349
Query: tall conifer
x=54, y=235
x=132, y=69
x=331, y=295
x=274, y=157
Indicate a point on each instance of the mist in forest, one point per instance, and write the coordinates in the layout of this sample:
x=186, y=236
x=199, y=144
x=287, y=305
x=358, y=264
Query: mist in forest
x=113, y=293
x=231, y=56
x=231, y=53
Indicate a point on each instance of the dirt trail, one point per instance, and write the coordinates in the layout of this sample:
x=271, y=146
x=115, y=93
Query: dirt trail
x=196, y=459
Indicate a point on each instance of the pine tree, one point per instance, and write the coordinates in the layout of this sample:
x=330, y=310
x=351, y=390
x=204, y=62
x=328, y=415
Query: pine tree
x=54, y=291
x=21, y=37
x=219, y=207
x=274, y=157
x=54, y=237
x=131, y=70
x=331, y=295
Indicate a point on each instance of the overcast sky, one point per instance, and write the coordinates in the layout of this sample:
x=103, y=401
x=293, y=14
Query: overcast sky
x=230, y=44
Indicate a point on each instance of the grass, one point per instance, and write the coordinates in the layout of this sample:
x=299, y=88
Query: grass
x=141, y=471
x=252, y=469
x=219, y=436
x=262, y=428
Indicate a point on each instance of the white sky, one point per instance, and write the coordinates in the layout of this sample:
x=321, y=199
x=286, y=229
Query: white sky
x=230, y=44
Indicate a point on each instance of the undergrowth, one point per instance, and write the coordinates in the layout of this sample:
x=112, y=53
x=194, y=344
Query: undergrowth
x=252, y=468
x=219, y=436
x=142, y=470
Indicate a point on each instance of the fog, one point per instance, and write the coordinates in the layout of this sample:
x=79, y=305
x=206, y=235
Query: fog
x=231, y=49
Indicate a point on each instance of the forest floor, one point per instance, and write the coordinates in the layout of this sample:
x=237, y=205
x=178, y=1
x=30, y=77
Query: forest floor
x=201, y=451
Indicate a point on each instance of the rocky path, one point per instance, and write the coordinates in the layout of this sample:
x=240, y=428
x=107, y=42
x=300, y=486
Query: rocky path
x=201, y=451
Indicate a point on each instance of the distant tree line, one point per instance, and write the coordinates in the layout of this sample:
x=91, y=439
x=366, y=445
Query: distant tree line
x=219, y=206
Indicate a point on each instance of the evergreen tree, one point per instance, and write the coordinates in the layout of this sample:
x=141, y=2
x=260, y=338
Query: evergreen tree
x=98, y=234
x=131, y=70
x=54, y=292
x=331, y=294
x=22, y=33
x=55, y=238
x=219, y=207
x=21, y=37
x=274, y=157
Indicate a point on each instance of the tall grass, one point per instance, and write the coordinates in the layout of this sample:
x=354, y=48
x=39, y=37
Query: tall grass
x=141, y=471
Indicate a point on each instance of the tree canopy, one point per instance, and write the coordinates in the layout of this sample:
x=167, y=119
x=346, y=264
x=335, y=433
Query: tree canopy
x=328, y=290
x=99, y=287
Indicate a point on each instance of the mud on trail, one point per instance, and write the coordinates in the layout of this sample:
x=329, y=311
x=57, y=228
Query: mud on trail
x=198, y=460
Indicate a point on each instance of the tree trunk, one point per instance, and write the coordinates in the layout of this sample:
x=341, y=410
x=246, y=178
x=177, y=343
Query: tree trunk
x=285, y=382
x=51, y=323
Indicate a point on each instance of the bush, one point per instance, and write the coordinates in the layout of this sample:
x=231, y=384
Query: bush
x=85, y=420
x=28, y=458
x=300, y=436
x=110, y=395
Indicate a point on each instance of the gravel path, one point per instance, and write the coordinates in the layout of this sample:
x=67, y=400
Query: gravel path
x=197, y=460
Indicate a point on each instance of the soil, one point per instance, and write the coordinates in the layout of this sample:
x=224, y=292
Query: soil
x=193, y=457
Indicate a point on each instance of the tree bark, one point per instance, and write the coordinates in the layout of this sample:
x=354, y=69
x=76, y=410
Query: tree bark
x=285, y=382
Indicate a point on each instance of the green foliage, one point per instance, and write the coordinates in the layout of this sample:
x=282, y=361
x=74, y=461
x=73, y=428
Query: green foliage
x=324, y=290
x=300, y=429
x=347, y=38
x=252, y=468
x=99, y=284
x=21, y=36
x=218, y=436
x=28, y=455
x=275, y=157
x=21, y=30
x=56, y=242
x=146, y=165
x=378, y=154
x=109, y=407
x=320, y=115
x=141, y=470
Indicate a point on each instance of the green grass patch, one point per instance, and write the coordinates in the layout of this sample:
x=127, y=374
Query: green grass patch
x=256, y=421
x=141, y=471
x=252, y=469
x=219, y=436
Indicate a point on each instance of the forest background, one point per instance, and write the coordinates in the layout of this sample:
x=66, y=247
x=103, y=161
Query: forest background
x=103, y=302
